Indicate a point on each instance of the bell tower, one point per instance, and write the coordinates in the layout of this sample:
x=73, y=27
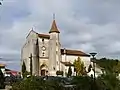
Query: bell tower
x=54, y=49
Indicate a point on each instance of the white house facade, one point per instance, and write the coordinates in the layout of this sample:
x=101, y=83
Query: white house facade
x=47, y=55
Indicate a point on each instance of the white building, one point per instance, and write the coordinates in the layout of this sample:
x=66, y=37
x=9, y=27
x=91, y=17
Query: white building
x=47, y=54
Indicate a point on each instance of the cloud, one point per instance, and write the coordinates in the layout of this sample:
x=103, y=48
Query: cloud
x=88, y=25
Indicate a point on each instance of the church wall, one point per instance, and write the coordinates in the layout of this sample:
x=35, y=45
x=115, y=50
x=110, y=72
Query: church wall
x=28, y=49
x=25, y=56
x=46, y=45
x=52, y=52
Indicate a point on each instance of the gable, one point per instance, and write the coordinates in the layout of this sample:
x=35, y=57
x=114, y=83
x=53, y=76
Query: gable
x=31, y=34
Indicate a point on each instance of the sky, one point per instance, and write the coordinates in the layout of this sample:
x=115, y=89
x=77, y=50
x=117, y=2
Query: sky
x=86, y=25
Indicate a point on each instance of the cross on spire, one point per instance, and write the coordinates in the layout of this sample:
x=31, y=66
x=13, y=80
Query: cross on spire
x=53, y=16
x=54, y=26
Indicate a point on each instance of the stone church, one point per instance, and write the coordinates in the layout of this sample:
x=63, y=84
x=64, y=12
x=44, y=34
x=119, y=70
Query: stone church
x=47, y=55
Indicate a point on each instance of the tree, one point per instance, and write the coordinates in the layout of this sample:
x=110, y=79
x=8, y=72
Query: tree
x=79, y=67
x=2, y=79
x=69, y=71
x=31, y=65
x=116, y=68
x=23, y=68
x=37, y=83
x=24, y=72
x=108, y=82
x=111, y=66
x=83, y=83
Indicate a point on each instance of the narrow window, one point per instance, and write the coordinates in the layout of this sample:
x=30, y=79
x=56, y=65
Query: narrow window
x=42, y=40
x=43, y=54
x=56, y=52
x=54, y=68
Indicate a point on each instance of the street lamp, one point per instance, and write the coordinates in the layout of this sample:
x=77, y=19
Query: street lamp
x=1, y=2
x=93, y=60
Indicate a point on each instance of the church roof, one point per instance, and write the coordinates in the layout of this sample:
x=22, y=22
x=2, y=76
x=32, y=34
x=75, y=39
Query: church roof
x=44, y=36
x=54, y=28
x=73, y=52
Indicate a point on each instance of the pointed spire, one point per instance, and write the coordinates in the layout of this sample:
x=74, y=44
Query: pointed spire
x=54, y=26
x=32, y=29
x=53, y=16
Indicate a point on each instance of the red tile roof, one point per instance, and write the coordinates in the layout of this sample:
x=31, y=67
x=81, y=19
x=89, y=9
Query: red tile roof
x=73, y=52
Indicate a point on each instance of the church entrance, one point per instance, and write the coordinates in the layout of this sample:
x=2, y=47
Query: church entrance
x=43, y=72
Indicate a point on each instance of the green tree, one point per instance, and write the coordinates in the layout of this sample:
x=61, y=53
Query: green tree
x=31, y=65
x=83, y=83
x=108, y=82
x=1, y=79
x=23, y=67
x=116, y=68
x=24, y=72
x=37, y=83
x=69, y=71
x=110, y=66
x=79, y=67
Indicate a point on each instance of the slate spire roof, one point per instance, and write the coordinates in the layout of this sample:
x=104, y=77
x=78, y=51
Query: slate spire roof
x=54, y=26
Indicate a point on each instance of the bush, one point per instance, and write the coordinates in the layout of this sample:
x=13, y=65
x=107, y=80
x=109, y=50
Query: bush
x=83, y=82
x=36, y=83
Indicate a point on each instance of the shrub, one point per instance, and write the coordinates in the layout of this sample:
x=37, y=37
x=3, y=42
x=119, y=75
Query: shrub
x=37, y=83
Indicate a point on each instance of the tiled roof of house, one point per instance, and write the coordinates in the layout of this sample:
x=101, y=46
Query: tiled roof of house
x=73, y=52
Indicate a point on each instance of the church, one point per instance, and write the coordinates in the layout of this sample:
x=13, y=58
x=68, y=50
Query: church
x=44, y=53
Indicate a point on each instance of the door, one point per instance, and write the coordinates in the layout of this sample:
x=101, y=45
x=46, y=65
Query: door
x=42, y=72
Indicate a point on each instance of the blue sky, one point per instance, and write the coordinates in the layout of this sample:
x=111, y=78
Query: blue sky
x=87, y=25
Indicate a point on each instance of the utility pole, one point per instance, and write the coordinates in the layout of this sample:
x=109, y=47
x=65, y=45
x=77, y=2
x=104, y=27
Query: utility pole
x=93, y=60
